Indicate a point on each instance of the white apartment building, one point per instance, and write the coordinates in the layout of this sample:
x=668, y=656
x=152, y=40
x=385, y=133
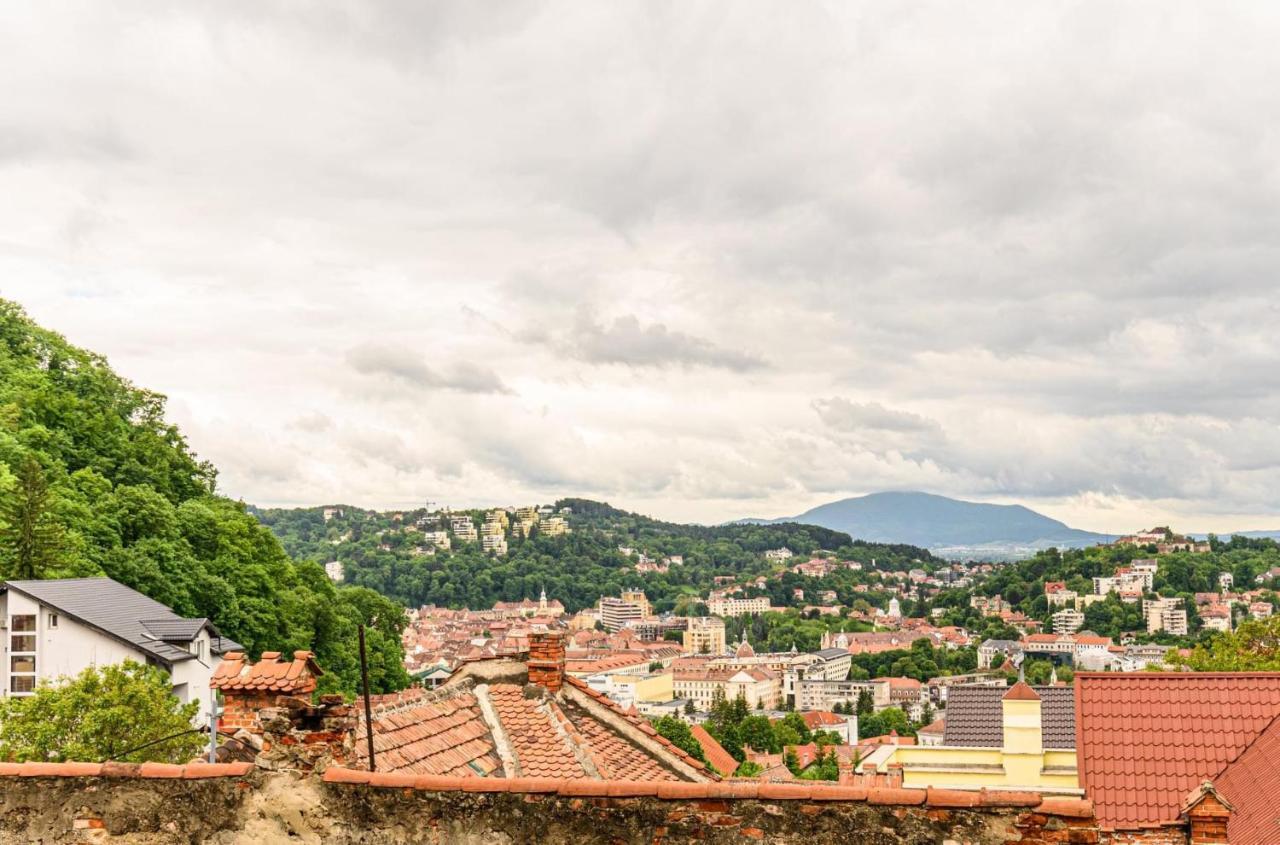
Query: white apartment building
x=1067, y=621
x=733, y=606
x=463, y=528
x=439, y=539
x=59, y=627
x=1165, y=614
x=334, y=570
x=616, y=613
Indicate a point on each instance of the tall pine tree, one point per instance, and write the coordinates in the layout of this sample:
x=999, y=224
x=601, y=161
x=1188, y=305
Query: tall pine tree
x=31, y=540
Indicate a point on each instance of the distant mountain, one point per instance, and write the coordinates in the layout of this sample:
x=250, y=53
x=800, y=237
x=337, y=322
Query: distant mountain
x=945, y=526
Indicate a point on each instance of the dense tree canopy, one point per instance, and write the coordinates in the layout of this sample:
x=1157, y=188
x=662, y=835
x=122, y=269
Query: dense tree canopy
x=383, y=552
x=117, y=712
x=93, y=481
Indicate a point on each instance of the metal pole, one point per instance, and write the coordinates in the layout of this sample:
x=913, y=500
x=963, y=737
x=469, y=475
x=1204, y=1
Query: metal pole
x=213, y=725
x=368, y=709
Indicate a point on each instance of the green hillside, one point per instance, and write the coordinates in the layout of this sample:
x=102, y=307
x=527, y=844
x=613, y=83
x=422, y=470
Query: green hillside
x=93, y=481
x=382, y=552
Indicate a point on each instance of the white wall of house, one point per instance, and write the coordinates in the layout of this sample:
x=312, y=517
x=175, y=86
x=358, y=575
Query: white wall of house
x=65, y=648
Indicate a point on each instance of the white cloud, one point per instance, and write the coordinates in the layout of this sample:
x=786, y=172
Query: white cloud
x=699, y=259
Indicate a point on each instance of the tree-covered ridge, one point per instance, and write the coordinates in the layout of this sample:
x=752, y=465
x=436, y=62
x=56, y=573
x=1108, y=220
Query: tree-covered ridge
x=1179, y=574
x=385, y=552
x=94, y=481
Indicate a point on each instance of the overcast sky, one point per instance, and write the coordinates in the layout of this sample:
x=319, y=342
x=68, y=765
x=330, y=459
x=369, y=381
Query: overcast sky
x=703, y=260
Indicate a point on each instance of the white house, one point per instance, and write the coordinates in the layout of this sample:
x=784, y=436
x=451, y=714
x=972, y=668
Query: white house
x=60, y=627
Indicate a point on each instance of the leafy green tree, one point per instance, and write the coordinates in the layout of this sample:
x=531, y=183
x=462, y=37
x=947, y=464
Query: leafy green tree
x=1253, y=647
x=31, y=540
x=107, y=713
x=756, y=733
x=749, y=770
x=796, y=723
x=791, y=761
x=866, y=703
x=678, y=732
x=886, y=721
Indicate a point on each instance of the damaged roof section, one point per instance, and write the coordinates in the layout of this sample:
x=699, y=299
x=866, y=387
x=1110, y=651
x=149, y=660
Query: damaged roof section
x=489, y=720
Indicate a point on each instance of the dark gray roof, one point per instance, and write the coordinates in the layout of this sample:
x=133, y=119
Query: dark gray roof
x=176, y=629
x=119, y=612
x=832, y=653
x=974, y=716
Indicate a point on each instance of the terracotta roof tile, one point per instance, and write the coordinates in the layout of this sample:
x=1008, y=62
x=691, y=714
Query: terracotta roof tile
x=294, y=677
x=1146, y=740
x=1251, y=783
x=440, y=736
x=541, y=750
x=715, y=753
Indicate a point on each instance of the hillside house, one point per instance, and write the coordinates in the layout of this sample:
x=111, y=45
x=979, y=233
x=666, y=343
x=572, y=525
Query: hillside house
x=60, y=627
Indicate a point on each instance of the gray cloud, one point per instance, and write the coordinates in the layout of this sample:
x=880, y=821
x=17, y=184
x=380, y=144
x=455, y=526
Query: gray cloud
x=1041, y=270
x=627, y=341
x=845, y=415
x=406, y=367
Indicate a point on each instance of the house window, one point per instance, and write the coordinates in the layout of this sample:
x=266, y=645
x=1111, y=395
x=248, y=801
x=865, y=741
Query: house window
x=22, y=654
x=53, y=620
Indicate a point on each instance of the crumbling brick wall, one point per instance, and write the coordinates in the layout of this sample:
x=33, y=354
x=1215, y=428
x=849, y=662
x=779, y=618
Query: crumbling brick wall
x=230, y=805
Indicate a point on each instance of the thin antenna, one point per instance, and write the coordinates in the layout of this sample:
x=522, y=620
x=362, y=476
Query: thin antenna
x=368, y=709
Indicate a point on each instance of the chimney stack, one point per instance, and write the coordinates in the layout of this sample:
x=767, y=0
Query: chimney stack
x=546, y=659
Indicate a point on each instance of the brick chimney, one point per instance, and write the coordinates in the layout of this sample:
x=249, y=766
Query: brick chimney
x=546, y=659
x=248, y=688
x=1207, y=814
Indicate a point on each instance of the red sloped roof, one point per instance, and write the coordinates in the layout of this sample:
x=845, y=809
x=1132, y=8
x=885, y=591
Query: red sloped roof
x=1251, y=783
x=722, y=760
x=1146, y=740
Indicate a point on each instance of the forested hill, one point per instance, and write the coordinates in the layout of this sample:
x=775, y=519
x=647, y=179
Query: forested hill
x=93, y=481
x=387, y=552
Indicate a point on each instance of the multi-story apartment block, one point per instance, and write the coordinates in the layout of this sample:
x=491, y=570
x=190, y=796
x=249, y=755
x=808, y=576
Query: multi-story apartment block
x=439, y=539
x=1067, y=621
x=615, y=613
x=334, y=570
x=778, y=554
x=494, y=543
x=553, y=526
x=1165, y=614
x=705, y=635
x=463, y=528
x=822, y=694
x=732, y=606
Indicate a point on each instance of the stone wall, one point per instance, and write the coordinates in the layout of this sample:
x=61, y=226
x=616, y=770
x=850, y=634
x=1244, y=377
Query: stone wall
x=229, y=805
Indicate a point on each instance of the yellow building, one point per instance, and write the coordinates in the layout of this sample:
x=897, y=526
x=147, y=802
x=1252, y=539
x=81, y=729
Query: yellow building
x=704, y=635
x=636, y=688
x=1020, y=762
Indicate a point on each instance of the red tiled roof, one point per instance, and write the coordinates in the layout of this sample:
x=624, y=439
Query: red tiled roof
x=1251, y=783
x=614, y=757
x=722, y=760
x=1146, y=740
x=447, y=736
x=1021, y=691
x=814, y=719
x=267, y=675
x=540, y=749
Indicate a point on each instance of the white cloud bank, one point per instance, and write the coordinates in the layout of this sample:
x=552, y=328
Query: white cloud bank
x=701, y=259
